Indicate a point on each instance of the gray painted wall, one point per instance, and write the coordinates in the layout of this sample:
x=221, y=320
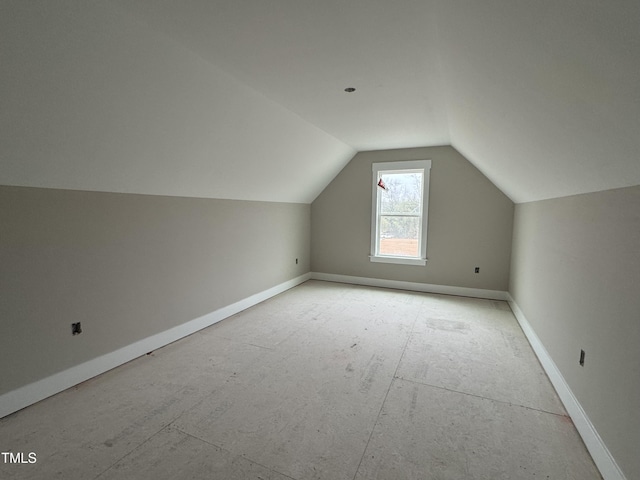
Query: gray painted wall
x=128, y=266
x=576, y=276
x=470, y=224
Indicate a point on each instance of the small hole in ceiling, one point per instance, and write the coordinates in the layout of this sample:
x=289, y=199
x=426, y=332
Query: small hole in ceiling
x=349, y=89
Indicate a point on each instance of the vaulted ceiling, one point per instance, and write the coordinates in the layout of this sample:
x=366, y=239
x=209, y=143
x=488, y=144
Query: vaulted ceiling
x=245, y=99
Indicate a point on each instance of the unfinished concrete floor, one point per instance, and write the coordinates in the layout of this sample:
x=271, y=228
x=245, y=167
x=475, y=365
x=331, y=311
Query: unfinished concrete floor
x=326, y=381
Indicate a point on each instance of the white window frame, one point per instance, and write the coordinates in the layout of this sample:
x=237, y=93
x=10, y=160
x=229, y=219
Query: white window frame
x=399, y=167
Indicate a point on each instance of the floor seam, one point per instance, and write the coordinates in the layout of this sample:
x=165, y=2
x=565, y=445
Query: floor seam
x=224, y=337
x=404, y=349
x=232, y=453
x=130, y=452
x=193, y=406
x=479, y=396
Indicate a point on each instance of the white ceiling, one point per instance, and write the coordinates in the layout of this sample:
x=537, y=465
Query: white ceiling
x=303, y=54
x=543, y=97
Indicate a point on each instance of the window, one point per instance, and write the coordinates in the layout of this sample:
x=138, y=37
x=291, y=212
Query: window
x=399, y=212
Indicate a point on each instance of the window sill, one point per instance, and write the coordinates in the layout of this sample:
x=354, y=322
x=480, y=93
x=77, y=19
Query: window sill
x=398, y=260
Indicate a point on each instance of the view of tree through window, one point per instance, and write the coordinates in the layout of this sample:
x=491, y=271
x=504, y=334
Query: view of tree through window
x=400, y=215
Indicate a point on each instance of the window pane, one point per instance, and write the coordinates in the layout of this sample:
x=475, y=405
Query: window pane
x=399, y=236
x=402, y=194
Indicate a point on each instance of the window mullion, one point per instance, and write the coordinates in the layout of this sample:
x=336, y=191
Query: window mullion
x=413, y=215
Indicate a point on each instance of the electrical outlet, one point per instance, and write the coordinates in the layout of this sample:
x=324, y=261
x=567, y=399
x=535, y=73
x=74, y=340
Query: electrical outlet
x=76, y=328
x=477, y=270
x=582, y=358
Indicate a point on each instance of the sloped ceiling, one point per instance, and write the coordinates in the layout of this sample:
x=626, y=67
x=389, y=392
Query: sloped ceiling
x=245, y=99
x=544, y=96
x=93, y=99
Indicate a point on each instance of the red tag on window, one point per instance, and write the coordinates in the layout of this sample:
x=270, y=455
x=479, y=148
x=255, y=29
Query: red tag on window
x=382, y=185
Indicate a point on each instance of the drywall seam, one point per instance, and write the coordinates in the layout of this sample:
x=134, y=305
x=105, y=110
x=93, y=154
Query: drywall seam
x=413, y=286
x=603, y=459
x=34, y=392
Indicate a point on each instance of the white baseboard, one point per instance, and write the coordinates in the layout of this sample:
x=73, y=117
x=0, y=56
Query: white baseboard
x=413, y=286
x=599, y=452
x=29, y=394
x=34, y=392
